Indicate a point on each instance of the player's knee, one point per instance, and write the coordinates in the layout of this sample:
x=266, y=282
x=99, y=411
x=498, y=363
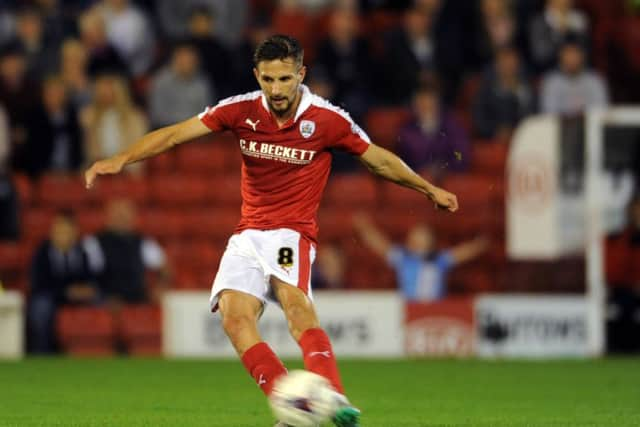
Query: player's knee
x=235, y=324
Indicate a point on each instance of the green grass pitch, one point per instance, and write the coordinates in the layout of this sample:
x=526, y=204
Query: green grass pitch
x=141, y=392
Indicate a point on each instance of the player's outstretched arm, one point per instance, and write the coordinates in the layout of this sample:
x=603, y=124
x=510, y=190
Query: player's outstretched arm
x=391, y=167
x=149, y=145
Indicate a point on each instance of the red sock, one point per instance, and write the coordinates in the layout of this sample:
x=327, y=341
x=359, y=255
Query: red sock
x=318, y=356
x=263, y=365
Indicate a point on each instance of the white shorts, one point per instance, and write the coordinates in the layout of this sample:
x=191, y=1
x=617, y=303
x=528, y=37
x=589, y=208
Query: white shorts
x=253, y=256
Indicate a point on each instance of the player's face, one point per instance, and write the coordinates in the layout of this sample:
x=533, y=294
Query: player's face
x=280, y=82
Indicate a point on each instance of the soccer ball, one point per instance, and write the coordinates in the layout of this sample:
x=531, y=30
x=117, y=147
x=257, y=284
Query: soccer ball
x=303, y=399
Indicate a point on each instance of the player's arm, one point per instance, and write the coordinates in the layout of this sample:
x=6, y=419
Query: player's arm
x=469, y=250
x=149, y=145
x=389, y=166
x=372, y=237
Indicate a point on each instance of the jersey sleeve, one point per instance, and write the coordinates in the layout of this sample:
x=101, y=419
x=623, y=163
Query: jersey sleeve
x=218, y=118
x=349, y=136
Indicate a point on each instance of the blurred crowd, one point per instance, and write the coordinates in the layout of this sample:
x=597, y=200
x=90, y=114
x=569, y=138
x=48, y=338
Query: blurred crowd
x=95, y=75
x=81, y=80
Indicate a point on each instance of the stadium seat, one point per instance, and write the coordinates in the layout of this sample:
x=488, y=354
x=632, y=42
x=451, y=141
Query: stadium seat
x=177, y=190
x=131, y=187
x=86, y=331
x=205, y=158
x=383, y=125
x=63, y=192
x=489, y=158
x=36, y=223
x=295, y=23
x=162, y=223
x=13, y=257
x=24, y=188
x=357, y=190
x=162, y=164
x=140, y=329
x=335, y=223
x=91, y=220
x=213, y=223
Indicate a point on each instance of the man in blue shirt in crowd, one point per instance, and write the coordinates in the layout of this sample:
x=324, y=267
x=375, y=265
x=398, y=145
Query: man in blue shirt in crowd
x=421, y=270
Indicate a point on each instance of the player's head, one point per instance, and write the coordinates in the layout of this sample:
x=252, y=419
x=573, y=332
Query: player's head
x=64, y=232
x=420, y=239
x=121, y=215
x=279, y=71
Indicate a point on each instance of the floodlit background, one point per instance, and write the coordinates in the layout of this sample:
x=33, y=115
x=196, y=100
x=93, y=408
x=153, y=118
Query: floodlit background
x=512, y=105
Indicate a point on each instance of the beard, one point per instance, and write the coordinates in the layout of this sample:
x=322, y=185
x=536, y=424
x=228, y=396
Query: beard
x=283, y=107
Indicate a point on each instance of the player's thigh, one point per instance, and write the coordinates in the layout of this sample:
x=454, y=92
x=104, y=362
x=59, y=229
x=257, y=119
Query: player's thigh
x=296, y=305
x=239, y=310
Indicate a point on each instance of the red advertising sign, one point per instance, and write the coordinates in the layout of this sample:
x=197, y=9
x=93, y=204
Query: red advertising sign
x=442, y=328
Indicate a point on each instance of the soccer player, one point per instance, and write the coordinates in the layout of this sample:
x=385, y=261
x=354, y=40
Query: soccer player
x=284, y=133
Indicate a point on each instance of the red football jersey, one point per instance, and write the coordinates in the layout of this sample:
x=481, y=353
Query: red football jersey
x=285, y=170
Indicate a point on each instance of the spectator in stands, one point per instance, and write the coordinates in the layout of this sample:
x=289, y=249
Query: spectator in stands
x=19, y=95
x=179, y=91
x=559, y=22
x=409, y=56
x=343, y=58
x=572, y=88
x=57, y=24
x=54, y=143
x=214, y=56
x=433, y=139
x=420, y=268
x=102, y=56
x=9, y=223
x=130, y=32
x=329, y=268
x=622, y=267
x=258, y=31
x=120, y=256
x=230, y=23
x=59, y=275
x=504, y=97
x=74, y=71
x=497, y=29
x=111, y=122
x=7, y=24
x=41, y=53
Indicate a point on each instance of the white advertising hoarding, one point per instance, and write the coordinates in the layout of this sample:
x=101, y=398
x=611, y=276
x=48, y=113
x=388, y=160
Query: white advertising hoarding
x=531, y=326
x=367, y=324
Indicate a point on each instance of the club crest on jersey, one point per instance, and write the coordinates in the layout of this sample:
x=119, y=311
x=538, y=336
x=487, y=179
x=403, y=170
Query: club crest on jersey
x=307, y=127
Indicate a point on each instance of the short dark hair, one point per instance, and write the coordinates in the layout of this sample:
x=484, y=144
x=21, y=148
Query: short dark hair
x=278, y=46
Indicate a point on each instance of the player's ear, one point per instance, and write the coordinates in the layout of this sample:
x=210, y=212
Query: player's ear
x=302, y=73
x=256, y=73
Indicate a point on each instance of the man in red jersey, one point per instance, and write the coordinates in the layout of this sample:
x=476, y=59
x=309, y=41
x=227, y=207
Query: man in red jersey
x=285, y=134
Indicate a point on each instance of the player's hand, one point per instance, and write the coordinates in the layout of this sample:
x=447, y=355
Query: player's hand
x=444, y=200
x=108, y=166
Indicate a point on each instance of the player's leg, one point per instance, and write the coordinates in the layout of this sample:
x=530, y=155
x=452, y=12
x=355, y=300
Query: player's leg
x=315, y=344
x=240, y=313
x=305, y=329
